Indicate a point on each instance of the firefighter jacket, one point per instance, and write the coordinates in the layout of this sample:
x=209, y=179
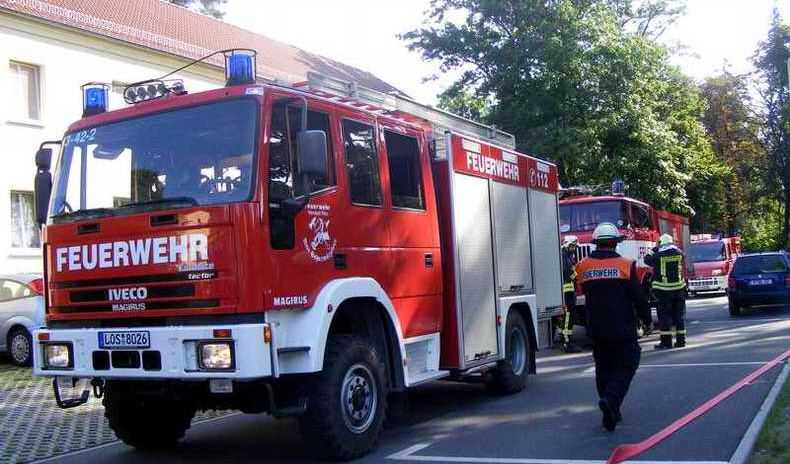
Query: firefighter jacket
x=568, y=271
x=614, y=297
x=667, y=263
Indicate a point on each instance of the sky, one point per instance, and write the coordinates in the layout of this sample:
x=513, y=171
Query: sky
x=363, y=33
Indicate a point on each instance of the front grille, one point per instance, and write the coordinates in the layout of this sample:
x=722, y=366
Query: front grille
x=180, y=304
x=583, y=251
x=169, y=291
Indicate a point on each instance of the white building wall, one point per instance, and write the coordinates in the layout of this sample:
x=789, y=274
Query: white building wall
x=67, y=59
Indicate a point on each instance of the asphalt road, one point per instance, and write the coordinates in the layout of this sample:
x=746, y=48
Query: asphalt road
x=555, y=420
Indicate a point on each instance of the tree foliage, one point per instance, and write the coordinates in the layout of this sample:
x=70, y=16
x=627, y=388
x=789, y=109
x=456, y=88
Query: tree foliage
x=734, y=129
x=206, y=7
x=771, y=63
x=583, y=83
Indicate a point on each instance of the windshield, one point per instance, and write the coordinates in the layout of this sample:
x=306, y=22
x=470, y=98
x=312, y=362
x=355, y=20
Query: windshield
x=759, y=264
x=585, y=216
x=194, y=156
x=708, y=252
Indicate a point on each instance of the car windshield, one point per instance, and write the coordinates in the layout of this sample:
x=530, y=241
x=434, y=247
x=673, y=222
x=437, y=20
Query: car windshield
x=708, y=252
x=194, y=156
x=585, y=216
x=760, y=264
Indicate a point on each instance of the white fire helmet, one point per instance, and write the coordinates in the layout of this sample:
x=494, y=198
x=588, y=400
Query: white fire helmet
x=570, y=240
x=606, y=232
x=665, y=240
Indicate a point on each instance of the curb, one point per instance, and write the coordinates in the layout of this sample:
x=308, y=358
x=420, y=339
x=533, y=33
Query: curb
x=746, y=445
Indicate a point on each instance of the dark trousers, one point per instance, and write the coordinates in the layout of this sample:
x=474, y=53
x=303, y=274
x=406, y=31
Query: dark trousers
x=671, y=308
x=616, y=363
x=566, y=326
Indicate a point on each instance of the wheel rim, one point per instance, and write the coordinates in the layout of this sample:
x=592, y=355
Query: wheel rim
x=517, y=350
x=359, y=398
x=20, y=349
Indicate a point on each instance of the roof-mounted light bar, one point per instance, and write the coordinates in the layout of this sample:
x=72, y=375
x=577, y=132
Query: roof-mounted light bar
x=94, y=98
x=152, y=89
x=239, y=66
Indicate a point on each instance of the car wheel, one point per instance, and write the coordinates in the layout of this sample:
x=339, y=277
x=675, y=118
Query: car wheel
x=20, y=347
x=735, y=310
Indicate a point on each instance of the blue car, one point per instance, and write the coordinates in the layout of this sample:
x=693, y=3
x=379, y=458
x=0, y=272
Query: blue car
x=759, y=279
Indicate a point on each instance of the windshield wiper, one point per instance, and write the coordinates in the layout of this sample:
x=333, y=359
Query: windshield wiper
x=174, y=201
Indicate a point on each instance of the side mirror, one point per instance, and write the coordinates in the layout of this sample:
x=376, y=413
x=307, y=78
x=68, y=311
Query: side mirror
x=42, y=184
x=44, y=158
x=311, y=153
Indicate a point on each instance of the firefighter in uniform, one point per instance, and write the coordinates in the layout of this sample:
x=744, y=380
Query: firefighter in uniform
x=669, y=290
x=569, y=245
x=616, y=304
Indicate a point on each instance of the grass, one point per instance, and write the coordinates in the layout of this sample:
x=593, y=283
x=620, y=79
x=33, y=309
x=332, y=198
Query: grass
x=773, y=444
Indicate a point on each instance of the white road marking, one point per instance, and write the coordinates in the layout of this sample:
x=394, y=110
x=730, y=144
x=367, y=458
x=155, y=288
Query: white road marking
x=742, y=321
x=591, y=369
x=408, y=455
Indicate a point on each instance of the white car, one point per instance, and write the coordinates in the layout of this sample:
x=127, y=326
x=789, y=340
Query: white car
x=21, y=312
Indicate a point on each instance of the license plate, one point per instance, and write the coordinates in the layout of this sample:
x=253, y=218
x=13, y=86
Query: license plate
x=126, y=339
x=760, y=282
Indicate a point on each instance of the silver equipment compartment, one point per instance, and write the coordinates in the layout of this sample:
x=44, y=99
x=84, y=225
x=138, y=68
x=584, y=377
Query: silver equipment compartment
x=511, y=228
x=475, y=260
x=546, y=245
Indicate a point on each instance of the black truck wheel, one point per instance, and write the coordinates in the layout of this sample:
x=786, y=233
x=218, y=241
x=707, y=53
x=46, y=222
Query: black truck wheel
x=347, y=401
x=510, y=375
x=145, y=423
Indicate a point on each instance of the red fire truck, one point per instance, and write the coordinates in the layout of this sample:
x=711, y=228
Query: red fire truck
x=638, y=222
x=713, y=259
x=294, y=250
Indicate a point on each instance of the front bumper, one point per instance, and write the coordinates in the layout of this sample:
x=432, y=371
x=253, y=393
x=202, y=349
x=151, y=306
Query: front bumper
x=708, y=284
x=175, y=347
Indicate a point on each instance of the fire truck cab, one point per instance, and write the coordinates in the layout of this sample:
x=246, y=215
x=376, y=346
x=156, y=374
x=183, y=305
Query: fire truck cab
x=296, y=250
x=713, y=259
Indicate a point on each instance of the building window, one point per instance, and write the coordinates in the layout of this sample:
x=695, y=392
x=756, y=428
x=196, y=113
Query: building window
x=24, y=230
x=25, y=91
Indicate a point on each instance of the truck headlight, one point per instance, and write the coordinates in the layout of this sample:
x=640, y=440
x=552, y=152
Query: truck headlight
x=716, y=272
x=57, y=355
x=216, y=355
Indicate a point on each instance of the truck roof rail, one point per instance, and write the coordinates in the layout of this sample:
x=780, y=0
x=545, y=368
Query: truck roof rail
x=401, y=107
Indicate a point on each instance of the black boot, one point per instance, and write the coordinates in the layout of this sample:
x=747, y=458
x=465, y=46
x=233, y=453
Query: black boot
x=665, y=344
x=609, y=419
x=571, y=348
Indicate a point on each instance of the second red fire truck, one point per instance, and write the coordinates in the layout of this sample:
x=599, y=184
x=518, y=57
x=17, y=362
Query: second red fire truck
x=298, y=250
x=638, y=222
x=713, y=259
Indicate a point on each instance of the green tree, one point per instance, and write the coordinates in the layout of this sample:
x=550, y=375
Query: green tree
x=583, y=83
x=206, y=7
x=734, y=128
x=771, y=63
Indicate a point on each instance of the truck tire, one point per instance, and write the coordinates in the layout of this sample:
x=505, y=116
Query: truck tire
x=146, y=424
x=20, y=347
x=511, y=374
x=347, y=401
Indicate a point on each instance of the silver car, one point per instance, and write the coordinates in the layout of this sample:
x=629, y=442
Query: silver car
x=21, y=312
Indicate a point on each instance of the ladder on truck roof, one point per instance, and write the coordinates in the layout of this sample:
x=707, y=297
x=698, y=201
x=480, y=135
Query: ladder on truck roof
x=398, y=106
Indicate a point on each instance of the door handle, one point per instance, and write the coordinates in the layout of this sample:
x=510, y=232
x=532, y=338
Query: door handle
x=428, y=259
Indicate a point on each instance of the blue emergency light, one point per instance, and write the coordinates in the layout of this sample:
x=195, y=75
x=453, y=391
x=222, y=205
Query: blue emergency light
x=94, y=98
x=240, y=67
x=618, y=187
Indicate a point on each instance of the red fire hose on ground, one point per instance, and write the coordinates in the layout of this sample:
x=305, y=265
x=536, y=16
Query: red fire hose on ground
x=631, y=450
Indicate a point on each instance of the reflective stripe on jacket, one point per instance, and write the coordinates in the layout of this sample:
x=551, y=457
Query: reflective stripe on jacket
x=667, y=266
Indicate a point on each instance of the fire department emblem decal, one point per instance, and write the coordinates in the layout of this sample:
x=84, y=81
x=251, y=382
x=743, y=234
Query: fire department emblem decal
x=322, y=246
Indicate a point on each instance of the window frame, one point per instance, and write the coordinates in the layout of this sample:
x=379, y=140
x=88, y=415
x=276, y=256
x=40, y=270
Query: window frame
x=23, y=250
x=373, y=125
x=2, y=282
x=331, y=151
x=421, y=182
x=17, y=117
